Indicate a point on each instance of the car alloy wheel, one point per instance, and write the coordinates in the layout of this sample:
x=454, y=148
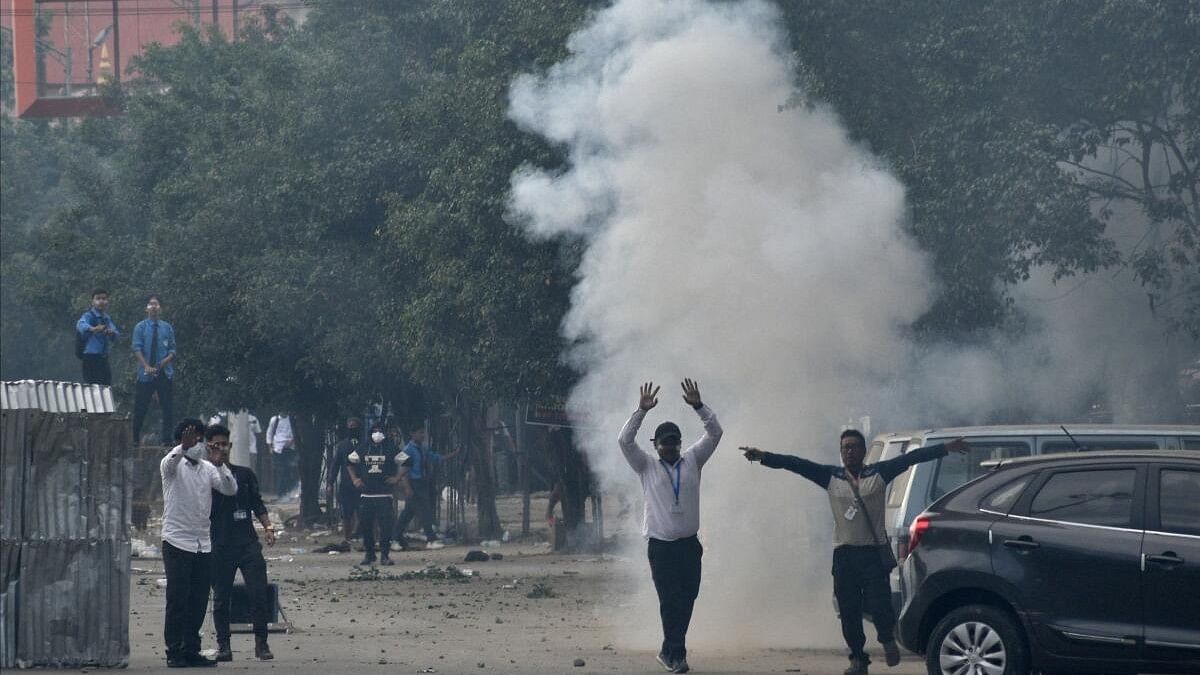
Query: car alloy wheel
x=977, y=640
x=972, y=648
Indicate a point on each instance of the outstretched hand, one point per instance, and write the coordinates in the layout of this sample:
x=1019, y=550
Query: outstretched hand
x=649, y=396
x=691, y=393
x=958, y=445
x=752, y=454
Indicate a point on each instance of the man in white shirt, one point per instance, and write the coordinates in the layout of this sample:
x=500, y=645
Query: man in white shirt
x=281, y=439
x=188, y=479
x=671, y=491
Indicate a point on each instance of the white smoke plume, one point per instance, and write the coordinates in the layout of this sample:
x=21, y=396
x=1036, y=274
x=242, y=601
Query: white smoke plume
x=746, y=243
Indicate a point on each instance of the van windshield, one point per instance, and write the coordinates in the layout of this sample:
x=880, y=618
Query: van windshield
x=955, y=469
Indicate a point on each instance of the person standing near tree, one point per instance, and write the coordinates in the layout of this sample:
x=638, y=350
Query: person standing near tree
x=862, y=558
x=188, y=482
x=421, y=497
x=671, y=490
x=374, y=471
x=338, y=480
x=282, y=438
x=94, y=334
x=236, y=547
x=154, y=347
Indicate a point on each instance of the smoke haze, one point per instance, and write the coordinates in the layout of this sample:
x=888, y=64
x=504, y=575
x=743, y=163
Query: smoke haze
x=746, y=243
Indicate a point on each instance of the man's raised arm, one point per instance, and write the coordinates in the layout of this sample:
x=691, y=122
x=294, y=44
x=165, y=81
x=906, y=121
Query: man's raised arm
x=637, y=458
x=703, y=448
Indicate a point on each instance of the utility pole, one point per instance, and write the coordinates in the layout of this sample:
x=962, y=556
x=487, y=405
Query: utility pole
x=116, y=43
x=235, y=20
x=215, y=19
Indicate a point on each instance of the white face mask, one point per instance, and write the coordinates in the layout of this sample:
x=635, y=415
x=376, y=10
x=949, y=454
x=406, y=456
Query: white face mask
x=196, y=452
x=378, y=437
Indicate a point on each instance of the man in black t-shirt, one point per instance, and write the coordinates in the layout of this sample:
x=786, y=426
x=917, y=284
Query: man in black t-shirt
x=374, y=472
x=236, y=547
x=338, y=480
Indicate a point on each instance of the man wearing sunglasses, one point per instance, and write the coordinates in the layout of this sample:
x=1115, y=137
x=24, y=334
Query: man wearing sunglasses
x=236, y=547
x=671, y=490
x=862, y=555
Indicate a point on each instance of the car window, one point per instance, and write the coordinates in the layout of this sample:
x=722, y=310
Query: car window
x=1179, y=501
x=899, y=485
x=1002, y=498
x=955, y=469
x=1065, y=445
x=1096, y=497
x=875, y=453
x=1191, y=443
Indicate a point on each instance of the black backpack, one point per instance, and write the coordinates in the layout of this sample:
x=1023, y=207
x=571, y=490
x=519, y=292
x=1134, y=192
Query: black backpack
x=81, y=339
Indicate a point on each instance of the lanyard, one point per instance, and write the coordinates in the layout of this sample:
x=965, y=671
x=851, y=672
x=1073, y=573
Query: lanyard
x=674, y=481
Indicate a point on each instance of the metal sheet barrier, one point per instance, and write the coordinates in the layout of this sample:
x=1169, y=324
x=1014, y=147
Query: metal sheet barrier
x=65, y=502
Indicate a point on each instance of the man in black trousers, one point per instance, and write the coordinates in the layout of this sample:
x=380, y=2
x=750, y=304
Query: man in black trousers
x=862, y=558
x=188, y=482
x=671, y=487
x=236, y=547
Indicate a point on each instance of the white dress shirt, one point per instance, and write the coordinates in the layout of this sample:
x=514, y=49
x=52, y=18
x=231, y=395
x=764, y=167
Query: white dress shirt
x=668, y=518
x=279, y=433
x=187, y=499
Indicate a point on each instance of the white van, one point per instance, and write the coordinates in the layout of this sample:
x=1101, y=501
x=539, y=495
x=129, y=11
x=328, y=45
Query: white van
x=921, y=485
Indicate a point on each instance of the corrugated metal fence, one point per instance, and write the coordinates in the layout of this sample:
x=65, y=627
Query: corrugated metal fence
x=64, y=528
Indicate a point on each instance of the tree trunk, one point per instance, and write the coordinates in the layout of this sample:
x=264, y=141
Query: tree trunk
x=483, y=467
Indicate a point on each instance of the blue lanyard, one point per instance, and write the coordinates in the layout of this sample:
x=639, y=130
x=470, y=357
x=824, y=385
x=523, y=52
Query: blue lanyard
x=675, y=481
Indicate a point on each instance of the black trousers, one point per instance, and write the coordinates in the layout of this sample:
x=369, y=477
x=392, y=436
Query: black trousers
x=283, y=465
x=675, y=567
x=96, y=370
x=142, y=393
x=372, y=512
x=227, y=560
x=188, y=577
x=420, y=506
x=859, y=579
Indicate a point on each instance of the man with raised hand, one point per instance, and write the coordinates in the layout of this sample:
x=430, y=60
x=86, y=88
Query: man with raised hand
x=188, y=482
x=671, y=490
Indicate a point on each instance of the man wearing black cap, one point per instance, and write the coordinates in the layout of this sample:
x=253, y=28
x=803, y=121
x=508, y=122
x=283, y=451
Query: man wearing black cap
x=671, y=490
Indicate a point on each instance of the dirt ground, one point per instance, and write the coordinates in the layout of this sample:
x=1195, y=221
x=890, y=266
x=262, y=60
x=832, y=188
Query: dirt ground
x=534, y=611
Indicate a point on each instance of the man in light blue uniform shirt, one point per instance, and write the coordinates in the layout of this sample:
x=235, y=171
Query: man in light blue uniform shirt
x=95, y=332
x=154, y=347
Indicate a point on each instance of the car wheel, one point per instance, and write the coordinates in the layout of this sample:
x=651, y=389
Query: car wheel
x=976, y=640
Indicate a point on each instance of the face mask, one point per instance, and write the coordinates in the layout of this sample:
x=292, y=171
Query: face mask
x=196, y=452
x=378, y=437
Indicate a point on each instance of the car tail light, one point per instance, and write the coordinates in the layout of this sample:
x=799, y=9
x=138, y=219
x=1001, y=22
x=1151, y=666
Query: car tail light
x=916, y=531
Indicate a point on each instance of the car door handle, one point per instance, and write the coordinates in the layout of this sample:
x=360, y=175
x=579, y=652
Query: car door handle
x=1168, y=558
x=1024, y=543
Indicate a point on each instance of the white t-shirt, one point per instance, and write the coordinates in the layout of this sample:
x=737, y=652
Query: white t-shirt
x=668, y=517
x=279, y=433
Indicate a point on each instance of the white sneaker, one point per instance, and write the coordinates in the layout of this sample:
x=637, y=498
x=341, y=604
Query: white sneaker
x=435, y=545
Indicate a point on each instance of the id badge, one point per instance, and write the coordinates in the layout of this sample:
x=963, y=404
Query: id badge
x=241, y=514
x=851, y=512
x=677, y=509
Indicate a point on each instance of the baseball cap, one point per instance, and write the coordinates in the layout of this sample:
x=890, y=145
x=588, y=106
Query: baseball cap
x=666, y=430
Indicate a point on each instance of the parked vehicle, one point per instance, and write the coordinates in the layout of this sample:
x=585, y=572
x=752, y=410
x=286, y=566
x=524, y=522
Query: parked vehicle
x=921, y=485
x=1081, y=562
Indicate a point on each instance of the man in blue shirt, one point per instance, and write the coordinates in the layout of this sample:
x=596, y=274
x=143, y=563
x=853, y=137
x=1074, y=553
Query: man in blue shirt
x=154, y=347
x=422, y=503
x=96, y=331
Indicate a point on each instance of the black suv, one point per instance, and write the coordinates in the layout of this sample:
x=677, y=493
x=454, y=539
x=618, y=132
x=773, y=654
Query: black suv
x=1084, y=562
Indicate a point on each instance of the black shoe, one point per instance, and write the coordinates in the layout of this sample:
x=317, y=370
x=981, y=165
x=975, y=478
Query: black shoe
x=667, y=664
x=386, y=561
x=858, y=666
x=367, y=561
x=891, y=652
x=199, y=661
x=224, y=653
x=261, y=651
x=177, y=662
x=681, y=666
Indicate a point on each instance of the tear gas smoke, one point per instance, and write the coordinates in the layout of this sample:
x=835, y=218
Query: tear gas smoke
x=744, y=241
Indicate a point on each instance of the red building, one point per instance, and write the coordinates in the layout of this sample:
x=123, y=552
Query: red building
x=62, y=49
